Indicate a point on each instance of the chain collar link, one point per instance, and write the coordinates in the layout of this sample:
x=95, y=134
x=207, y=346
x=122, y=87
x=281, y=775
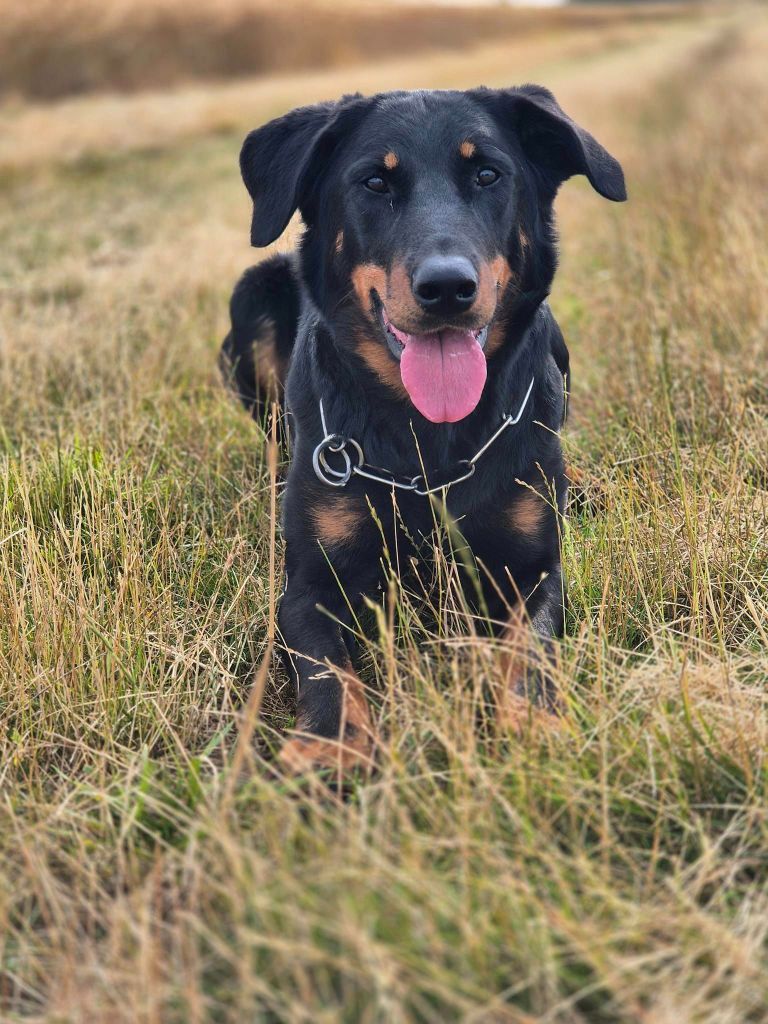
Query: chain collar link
x=354, y=464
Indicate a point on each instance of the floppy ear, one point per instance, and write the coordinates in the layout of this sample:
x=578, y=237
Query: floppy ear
x=557, y=145
x=273, y=160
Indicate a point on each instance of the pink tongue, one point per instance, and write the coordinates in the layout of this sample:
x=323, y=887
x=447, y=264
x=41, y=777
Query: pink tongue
x=444, y=375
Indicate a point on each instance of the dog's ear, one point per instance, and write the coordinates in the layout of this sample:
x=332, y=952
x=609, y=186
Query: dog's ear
x=273, y=161
x=556, y=145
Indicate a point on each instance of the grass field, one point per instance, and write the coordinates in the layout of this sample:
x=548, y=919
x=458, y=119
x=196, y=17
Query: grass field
x=153, y=867
x=50, y=48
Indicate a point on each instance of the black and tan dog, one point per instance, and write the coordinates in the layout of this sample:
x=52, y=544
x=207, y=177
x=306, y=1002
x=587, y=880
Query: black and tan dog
x=412, y=333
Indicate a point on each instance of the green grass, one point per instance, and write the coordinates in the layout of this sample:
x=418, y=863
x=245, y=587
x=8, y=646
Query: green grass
x=155, y=865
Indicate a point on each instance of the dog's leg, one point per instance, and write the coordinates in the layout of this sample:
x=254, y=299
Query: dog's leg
x=518, y=560
x=333, y=724
x=528, y=693
x=332, y=560
x=264, y=311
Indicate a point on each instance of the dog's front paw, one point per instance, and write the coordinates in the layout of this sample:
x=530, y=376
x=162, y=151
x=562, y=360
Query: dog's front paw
x=523, y=717
x=526, y=697
x=354, y=747
x=303, y=754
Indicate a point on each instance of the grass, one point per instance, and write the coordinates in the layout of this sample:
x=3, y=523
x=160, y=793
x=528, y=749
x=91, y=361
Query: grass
x=154, y=867
x=50, y=49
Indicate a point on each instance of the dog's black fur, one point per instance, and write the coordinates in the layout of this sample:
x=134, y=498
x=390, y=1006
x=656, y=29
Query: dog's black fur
x=319, y=312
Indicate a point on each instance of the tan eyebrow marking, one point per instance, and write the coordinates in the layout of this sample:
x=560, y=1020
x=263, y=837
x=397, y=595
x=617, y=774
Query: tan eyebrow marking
x=467, y=149
x=391, y=161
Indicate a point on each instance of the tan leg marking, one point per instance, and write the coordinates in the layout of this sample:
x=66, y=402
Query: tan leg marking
x=526, y=513
x=305, y=753
x=269, y=368
x=337, y=519
x=515, y=712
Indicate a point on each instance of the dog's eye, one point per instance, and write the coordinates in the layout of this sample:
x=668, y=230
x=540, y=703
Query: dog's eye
x=376, y=184
x=487, y=176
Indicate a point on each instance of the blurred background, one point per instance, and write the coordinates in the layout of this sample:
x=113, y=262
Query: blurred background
x=51, y=49
x=84, y=82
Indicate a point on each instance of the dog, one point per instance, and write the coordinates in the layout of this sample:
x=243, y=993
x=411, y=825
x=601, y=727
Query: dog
x=411, y=340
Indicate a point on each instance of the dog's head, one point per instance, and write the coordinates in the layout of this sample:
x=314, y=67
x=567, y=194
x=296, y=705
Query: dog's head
x=428, y=223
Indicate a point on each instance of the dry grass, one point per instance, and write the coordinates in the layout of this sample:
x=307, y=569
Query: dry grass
x=52, y=48
x=152, y=868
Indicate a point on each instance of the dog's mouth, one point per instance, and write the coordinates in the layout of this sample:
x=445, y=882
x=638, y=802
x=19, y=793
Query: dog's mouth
x=443, y=371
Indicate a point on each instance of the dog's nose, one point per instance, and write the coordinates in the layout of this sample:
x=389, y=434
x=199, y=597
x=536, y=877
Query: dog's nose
x=445, y=285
